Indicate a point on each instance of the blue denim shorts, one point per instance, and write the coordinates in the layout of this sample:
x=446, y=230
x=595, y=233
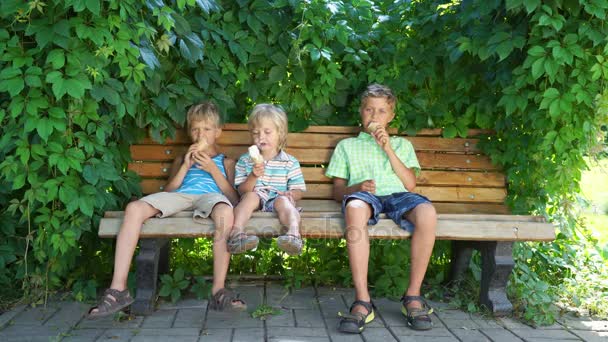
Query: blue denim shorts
x=394, y=206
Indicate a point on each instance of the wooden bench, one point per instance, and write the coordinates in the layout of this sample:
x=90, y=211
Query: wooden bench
x=466, y=189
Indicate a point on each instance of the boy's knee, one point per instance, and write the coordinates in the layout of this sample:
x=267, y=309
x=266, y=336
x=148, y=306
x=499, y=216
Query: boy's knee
x=283, y=202
x=356, y=204
x=135, y=207
x=222, y=209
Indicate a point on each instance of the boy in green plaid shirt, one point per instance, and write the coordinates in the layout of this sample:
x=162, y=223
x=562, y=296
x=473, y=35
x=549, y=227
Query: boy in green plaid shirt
x=375, y=173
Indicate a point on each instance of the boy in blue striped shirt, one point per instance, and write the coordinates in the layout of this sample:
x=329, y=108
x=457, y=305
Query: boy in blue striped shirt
x=271, y=183
x=201, y=180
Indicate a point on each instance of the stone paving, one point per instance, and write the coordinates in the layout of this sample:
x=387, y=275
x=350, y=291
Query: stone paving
x=307, y=314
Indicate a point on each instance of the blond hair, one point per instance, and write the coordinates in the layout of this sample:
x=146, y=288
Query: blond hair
x=204, y=111
x=266, y=111
x=379, y=90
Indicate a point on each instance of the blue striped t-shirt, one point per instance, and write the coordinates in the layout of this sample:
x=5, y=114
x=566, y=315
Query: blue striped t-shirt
x=282, y=173
x=198, y=182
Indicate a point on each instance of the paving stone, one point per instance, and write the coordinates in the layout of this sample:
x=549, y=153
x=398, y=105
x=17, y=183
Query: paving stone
x=470, y=335
x=116, y=335
x=169, y=332
x=109, y=323
x=591, y=336
x=164, y=338
x=500, y=335
x=187, y=303
x=511, y=324
x=284, y=319
x=461, y=324
x=6, y=317
x=340, y=337
x=159, y=319
x=333, y=291
x=308, y=318
x=82, y=335
x=487, y=323
x=378, y=334
x=220, y=335
x=451, y=314
x=299, y=339
x=248, y=334
x=435, y=332
x=225, y=320
x=35, y=316
x=189, y=318
x=304, y=298
x=428, y=339
x=68, y=315
x=585, y=324
x=296, y=332
x=26, y=331
x=530, y=334
x=252, y=294
x=9, y=338
x=330, y=305
x=276, y=294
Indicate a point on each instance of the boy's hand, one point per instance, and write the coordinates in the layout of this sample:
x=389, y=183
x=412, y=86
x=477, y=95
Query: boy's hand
x=188, y=157
x=368, y=185
x=258, y=170
x=205, y=162
x=382, y=138
x=289, y=195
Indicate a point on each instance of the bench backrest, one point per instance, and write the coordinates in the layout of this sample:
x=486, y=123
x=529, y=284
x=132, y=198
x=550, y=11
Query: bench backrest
x=455, y=175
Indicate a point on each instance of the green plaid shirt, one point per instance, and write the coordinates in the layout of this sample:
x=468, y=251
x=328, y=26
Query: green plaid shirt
x=361, y=158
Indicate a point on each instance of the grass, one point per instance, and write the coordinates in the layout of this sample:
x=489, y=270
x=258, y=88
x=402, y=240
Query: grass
x=594, y=186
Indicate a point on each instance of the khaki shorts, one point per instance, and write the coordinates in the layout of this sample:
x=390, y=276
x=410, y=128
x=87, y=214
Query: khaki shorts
x=170, y=203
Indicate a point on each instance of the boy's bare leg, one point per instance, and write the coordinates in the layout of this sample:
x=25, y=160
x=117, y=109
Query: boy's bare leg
x=357, y=213
x=135, y=215
x=424, y=218
x=249, y=203
x=223, y=217
x=288, y=215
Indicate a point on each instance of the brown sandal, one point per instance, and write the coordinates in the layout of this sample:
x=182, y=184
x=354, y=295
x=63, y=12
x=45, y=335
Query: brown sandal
x=110, y=303
x=226, y=300
x=290, y=244
x=241, y=243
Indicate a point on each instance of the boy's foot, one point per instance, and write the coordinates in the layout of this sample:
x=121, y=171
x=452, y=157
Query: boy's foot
x=290, y=244
x=418, y=318
x=226, y=300
x=354, y=322
x=110, y=303
x=241, y=243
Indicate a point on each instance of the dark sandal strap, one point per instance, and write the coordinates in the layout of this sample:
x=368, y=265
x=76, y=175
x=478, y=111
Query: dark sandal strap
x=111, y=299
x=369, y=306
x=426, y=310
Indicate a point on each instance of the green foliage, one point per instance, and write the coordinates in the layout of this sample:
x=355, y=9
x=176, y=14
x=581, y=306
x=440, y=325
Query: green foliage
x=81, y=80
x=263, y=311
x=172, y=286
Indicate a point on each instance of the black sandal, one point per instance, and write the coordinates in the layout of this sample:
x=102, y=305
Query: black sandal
x=226, y=300
x=417, y=318
x=355, y=323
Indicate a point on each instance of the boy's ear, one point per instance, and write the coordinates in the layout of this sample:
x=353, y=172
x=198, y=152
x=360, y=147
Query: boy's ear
x=218, y=132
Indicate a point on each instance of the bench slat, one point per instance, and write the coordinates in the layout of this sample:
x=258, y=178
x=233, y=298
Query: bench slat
x=440, y=194
x=181, y=135
x=522, y=228
x=320, y=156
x=327, y=140
x=317, y=175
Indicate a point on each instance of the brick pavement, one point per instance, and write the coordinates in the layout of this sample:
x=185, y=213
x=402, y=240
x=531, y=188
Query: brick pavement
x=307, y=314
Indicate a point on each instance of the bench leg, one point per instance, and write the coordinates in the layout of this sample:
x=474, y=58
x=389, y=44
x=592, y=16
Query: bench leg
x=496, y=266
x=153, y=256
x=461, y=256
